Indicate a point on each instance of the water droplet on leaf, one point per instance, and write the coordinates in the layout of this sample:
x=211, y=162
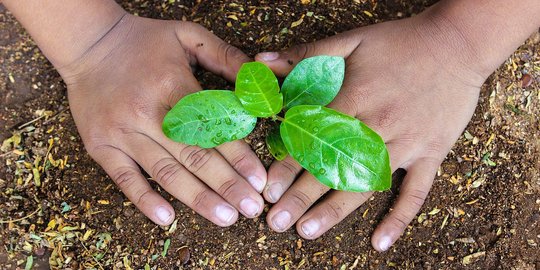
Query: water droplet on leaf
x=322, y=171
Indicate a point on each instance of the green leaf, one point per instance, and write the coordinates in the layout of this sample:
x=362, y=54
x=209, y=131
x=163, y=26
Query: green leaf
x=314, y=81
x=29, y=263
x=339, y=150
x=275, y=145
x=258, y=89
x=208, y=119
x=166, y=247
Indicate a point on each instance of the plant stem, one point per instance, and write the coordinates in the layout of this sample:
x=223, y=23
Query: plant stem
x=279, y=118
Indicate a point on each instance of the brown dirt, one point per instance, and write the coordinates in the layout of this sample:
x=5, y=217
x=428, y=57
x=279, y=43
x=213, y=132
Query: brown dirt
x=485, y=201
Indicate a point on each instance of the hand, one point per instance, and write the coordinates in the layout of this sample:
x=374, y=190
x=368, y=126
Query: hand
x=120, y=90
x=409, y=81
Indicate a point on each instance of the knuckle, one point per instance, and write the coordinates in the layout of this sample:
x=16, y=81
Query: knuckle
x=229, y=51
x=289, y=168
x=194, y=158
x=227, y=188
x=433, y=149
x=140, y=198
x=388, y=115
x=167, y=80
x=303, y=50
x=201, y=199
x=166, y=171
x=240, y=161
x=300, y=199
x=125, y=177
x=333, y=210
x=398, y=220
x=417, y=197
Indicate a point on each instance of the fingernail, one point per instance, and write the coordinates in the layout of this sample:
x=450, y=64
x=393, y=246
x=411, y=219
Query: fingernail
x=385, y=243
x=268, y=56
x=311, y=227
x=225, y=213
x=250, y=207
x=275, y=191
x=281, y=220
x=256, y=182
x=163, y=214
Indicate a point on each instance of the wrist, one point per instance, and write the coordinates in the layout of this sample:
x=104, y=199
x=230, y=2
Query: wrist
x=481, y=34
x=65, y=29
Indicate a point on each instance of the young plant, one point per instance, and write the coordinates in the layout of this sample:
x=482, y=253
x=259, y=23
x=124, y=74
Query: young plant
x=339, y=150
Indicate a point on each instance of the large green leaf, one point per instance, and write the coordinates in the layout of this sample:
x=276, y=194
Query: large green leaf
x=207, y=119
x=258, y=90
x=339, y=150
x=275, y=145
x=314, y=81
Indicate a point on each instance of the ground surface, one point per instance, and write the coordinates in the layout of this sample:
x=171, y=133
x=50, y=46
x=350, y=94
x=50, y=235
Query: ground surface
x=483, y=211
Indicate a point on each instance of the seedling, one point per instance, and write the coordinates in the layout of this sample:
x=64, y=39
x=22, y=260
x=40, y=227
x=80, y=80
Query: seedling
x=339, y=150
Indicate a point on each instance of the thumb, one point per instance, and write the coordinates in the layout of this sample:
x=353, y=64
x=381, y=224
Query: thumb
x=339, y=45
x=211, y=52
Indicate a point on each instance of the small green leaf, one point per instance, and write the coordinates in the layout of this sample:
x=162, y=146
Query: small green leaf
x=65, y=207
x=275, y=145
x=207, y=119
x=29, y=263
x=314, y=81
x=166, y=247
x=258, y=89
x=339, y=150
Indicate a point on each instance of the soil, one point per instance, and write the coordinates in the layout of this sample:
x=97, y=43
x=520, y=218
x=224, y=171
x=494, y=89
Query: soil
x=483, y=211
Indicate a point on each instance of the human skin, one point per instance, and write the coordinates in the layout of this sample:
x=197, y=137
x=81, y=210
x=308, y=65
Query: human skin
x=416, y=82
x=123, y=73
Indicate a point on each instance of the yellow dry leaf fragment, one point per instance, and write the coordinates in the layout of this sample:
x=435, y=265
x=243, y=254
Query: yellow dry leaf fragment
x=37, y=177
x=106, y=202
x=51, y=225
x=261, y=239
x=297, y=23
x=11, y=142
x=434, y=211
x=87, y=234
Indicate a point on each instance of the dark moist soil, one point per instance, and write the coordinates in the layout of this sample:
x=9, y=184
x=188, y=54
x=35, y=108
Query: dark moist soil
x=483, y=211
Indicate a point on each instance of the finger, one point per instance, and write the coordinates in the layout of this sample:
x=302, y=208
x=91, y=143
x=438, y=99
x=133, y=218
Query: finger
x=414, y=190
x=178, y=181
x=127, y=176
x=280, y=177
x=211, y=52
x=211, y=168
x=245, y=162
x=283, y=62
x=295, y=202
x=329, y=212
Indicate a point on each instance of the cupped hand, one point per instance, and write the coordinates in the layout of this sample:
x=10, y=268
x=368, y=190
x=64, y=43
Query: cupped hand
x=409, y=81
x=120, y=90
